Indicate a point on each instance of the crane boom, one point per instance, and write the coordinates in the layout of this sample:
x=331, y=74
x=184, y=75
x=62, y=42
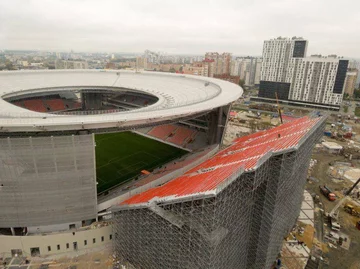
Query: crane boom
x=347, y=193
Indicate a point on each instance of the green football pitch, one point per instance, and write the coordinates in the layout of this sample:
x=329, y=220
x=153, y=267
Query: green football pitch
x=122, y=156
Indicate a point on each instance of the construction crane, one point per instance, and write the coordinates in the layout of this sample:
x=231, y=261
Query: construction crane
x=279, y=109
x=333, y=214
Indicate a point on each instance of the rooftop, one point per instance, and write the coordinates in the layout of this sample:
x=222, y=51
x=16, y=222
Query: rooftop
x=178, y=96
x=244, y=155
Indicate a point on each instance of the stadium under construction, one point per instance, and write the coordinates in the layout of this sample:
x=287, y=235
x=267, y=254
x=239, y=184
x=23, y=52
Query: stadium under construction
x=132, y=159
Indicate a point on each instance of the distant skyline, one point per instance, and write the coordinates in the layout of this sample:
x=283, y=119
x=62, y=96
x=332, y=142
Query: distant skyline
x=185, y=27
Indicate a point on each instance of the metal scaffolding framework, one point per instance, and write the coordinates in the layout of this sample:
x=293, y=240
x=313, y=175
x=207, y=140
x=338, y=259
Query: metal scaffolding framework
x=240, y=226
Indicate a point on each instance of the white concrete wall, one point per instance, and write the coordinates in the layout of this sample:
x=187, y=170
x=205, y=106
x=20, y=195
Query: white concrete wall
x=25, y=243
x=53, y=228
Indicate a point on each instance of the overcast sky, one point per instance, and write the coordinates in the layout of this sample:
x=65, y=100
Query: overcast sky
x=179, y=27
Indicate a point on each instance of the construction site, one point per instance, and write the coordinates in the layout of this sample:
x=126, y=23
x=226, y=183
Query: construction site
x=327, y=235
x=232, y=211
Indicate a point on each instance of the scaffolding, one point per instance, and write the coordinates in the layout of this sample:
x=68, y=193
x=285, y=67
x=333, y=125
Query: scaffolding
x=47, y=180
x=240, y=226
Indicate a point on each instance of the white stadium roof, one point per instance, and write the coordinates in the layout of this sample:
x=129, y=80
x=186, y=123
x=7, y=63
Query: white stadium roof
x=179, y=96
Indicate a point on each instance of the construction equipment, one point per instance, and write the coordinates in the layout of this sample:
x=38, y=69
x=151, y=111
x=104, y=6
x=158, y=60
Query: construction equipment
x=333, y=214
x=349, y=208
x=327, y=193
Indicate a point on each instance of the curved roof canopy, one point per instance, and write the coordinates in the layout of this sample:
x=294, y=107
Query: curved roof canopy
x=179, y=96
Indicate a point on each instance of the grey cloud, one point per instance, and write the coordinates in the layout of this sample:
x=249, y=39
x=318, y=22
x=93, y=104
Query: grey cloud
x=192, y=27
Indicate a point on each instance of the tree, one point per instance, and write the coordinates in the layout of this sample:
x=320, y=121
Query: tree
x=241, y=83
x=357, y=93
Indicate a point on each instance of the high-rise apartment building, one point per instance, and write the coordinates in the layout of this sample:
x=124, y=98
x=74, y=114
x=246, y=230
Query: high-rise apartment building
x=222, y=62
x=350, y=81
x=277, y=54
x=317, y=79
x=68, y=64
x=314, y=81
x=247, y=68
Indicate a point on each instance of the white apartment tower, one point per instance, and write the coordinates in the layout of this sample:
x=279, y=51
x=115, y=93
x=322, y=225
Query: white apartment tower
x=277, y=54
x=314, y=81
x=317, y=79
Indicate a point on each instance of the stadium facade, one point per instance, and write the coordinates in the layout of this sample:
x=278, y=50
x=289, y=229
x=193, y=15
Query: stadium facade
x=48, y=179
x=232, y=211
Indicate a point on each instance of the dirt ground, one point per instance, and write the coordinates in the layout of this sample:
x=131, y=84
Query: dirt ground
x=338, y=258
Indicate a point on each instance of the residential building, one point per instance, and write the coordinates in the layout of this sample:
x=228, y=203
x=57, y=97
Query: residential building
x=248, y=69
x=141, y=63
x=68, y=64
x=204, y=68
x=222, y=62
x=277, y=54
x=315, y=81
x=350, y=81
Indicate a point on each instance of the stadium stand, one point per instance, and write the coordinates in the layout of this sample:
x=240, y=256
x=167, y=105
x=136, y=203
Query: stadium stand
x=162, y=132
x=244, y=153
x=35, y=105
x=55, y=104
x=172, y=166
x=182, y=135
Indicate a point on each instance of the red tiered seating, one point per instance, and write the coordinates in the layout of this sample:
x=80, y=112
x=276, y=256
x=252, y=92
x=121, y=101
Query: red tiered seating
x=35, y=105
x=56, y=104
x=182, y=134
x=242, y=154
x=162, y=132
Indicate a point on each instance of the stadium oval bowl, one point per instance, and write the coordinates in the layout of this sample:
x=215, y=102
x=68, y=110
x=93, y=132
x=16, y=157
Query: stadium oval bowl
x=179, y=96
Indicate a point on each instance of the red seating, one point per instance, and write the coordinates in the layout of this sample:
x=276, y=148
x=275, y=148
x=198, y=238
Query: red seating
x=181, y=136
x=19, y=103
x=162, y=132
x=35, y=105
x=244, y=153
x=56, y=104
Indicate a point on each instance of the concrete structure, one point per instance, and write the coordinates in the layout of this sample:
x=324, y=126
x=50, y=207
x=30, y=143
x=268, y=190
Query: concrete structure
x=222, y=62
x=314, y=81
x=231, y=211
x=57, y=243
x=68, y=64
x=332, y=147
x=47, y=160
x=350, y=81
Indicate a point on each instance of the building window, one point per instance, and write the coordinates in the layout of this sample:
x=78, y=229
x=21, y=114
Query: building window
x=49, y=248
x=102, y=239
x=67, y=245
x=110, y=236
x=85, y=242
x=58, y=247
x=94, y=240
